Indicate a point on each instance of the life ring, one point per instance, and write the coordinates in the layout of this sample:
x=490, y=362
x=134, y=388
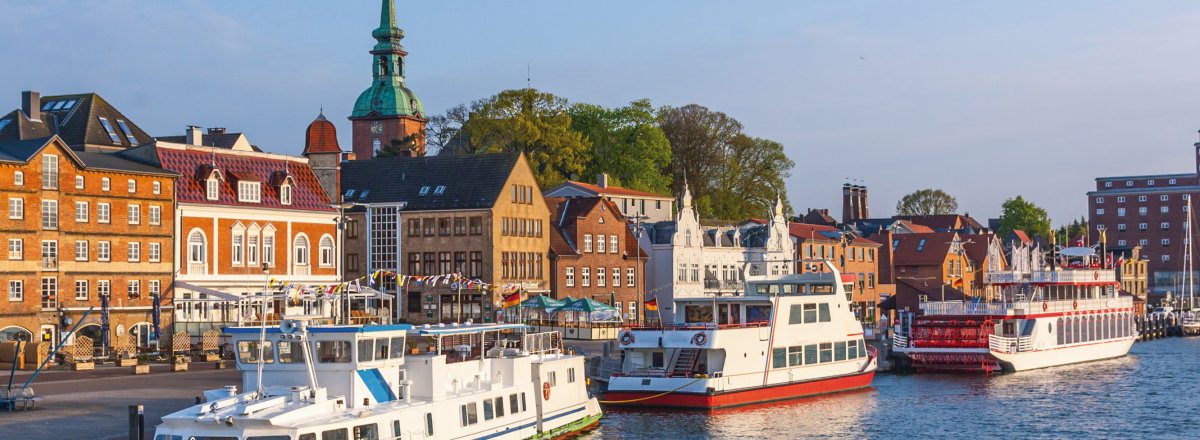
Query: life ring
x=1045, y=306
x=545, y=390
x=627, y=338
x=699, y=338
x=1075, y=304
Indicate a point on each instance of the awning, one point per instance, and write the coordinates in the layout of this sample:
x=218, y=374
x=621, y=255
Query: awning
x=206, y=291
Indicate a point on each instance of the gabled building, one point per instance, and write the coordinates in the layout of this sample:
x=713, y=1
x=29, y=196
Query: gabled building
x=948, y=258
x=480, y=216
x=946, y=223
x=593, y=254
x=84, y=230
x=84, y=121
x=241, y=218
x=631, y=202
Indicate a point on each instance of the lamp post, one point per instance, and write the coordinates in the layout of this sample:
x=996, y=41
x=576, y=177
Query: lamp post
x=637, y=269
x=340, y=221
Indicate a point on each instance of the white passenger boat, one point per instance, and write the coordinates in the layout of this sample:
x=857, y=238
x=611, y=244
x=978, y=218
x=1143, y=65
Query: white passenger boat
x=380, y=382
x=786, y=337
x=1067, y=313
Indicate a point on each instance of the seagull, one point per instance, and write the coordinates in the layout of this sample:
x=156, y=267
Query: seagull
x=862, y=58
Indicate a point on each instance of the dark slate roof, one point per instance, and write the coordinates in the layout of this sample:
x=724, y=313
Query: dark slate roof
x=20, y=127
x=115, y=162
x=471, y=181
x=211, y=139
x=77, y=124
x=660, y=232
x=21, y=150
x=909, y=292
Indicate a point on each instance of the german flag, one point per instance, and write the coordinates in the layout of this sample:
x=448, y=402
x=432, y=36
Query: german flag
x=652, y=305
x=512, y=300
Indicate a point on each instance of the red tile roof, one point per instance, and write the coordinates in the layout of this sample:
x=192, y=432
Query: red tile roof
x=321, y=137
x=933, y=251
x=1021, y=235
x=809, y=231
x=615, y=190
x=190, y=161
x=942, y=221
x=920, y=229
x=564, y=211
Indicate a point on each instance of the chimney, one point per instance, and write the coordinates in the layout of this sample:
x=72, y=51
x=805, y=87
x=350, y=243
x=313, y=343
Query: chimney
x=31, y=104
x=1197, y=145
x=195, y=136
x=847, y=203
x=863, y=211
x=886, y=254
x=216, y=130
x=602, y=180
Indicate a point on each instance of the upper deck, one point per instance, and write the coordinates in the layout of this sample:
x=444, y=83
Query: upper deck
x=1068, y=276
x=955, y=308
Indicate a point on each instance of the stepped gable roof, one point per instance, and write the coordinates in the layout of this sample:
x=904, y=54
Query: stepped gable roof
x=467, y=182
x=566, y=211
x=321, y=137
x=612, y=190
x=922, y=249
x=76, y=119
x=195, y=163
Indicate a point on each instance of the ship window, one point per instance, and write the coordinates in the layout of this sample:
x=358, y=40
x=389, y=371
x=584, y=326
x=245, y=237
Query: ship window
x=364, y=350
x=793, y=288
x=523, y=408
x=795, y=356
x=810, y=354
x=290, y=352
x=257, y=437
x=794, y=315
x=336, y=352
x=248, y=352
x=553, y=379
x=512, y=404
x=334, y=434
x=499, y=407
x=656, y=360
x=396, y=432
x=810, y=313
x=428, y=424
x=852, y=349
x=397, y=348
x=826, y=352
x=824, y=312
x=488, y=411
x=382, y=351
x=839, y=351
x=822, y=289
x=469, y=414
x=778, y=358
x=366, y=432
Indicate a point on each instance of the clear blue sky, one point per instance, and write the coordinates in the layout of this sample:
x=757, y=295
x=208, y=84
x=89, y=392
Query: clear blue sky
x=986, y=101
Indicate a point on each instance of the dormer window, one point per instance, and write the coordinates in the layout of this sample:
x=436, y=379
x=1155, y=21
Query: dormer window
x=424, y=191
x=213, y=187
x=250, y=192
x=921, y=245
x=285, y=194
x=439, y=190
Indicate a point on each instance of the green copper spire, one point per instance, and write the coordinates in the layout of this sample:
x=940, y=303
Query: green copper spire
x=387, y=95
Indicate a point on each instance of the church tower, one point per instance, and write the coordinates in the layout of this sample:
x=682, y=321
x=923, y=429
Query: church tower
x=387, y=110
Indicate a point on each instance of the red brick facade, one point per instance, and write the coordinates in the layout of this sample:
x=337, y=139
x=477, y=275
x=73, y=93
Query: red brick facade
x=593, y=254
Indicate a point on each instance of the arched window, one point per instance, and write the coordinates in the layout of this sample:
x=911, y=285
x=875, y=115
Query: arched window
x=196, y=245
x=1062, y=339
x=13, y=333
x=325, y=251
x=383, y=66
x=301, y=250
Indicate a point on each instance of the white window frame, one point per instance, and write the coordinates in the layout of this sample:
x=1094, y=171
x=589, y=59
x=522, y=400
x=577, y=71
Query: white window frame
x=237, y=247
x=285, y=194
x=104, y=251
x=81, y=290
x=16, y=208
x=616, y=277
x=133, y=288
x=16, y=249
x=155, y=215
x=586, y=277
x=103, y=288
x=81, y=250
x=570, y=276
x=105, y=184
x=16, y=290
x=79, y=181
x=601, y=244
x=1099, y=200
x=212, y=188
x=587, y=242
x=157, y=187
x=132, y=186
x=104, y=213
x=49, y=171
x=630, y=279
x=135, y=214
x=81, y=212
x=300, y=252
x=197, y=251
x=1164, y=198
x=325, y=254
x=1099, y=211
x=249, y=192
x=19, y=178
x=135, y=252
x=601, y=277
x=612, y=244
x=50, y=214
x=155, y=252
x=1164, y=209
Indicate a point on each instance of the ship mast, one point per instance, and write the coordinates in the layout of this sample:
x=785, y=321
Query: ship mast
x=1187, y=254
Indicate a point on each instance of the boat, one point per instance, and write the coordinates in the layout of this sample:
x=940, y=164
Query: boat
x=783, y=337
x=1063, y=313
x=394, y=382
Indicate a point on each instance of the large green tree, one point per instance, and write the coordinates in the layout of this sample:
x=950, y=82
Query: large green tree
x=751, y=177
x=400, y=147
x=1018, y=213
x=524, y=120
x=927, y=202
x=626, y=143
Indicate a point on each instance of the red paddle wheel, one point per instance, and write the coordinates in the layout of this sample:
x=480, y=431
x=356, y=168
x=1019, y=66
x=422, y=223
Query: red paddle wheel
x=952, y=332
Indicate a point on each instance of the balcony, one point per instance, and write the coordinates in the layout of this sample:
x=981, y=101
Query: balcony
x=1074, y=276
x=197, y=268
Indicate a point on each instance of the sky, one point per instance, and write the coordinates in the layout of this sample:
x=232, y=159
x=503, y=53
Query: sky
x=986, y=101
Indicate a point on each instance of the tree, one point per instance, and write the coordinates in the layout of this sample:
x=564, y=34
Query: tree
x=525, y=120
x=700, y=139
x=751, y=177
x=1018, y=213
x=626, y=143
x=400, y=147
x=442, y=131
x=927, y=202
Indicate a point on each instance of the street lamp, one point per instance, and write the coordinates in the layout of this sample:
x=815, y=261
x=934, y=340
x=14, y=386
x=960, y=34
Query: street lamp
x=637, y=258
x=340, y=221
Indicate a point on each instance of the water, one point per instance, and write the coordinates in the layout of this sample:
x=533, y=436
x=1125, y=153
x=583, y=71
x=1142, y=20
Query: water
x=1152, y=393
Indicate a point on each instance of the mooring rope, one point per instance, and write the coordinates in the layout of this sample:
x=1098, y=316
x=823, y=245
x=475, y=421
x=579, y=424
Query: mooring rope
x=656, y=395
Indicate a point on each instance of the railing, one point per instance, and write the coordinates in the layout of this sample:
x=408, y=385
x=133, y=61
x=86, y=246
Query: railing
x=1004, y=344
x=699, y=326
x=1004, y=277
x=1074, y=276
x=197, y=268
x=542, y=343
x=899, y=341
x=965, y=308
x=1000, y=309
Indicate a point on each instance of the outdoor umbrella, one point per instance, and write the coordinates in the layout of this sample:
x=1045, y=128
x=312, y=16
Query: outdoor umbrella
x=157, y=315
x=541, y=302
x=104, y=320
x=586, y=306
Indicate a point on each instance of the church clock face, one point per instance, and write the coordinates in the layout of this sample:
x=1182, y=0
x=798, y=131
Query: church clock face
x=377, y=127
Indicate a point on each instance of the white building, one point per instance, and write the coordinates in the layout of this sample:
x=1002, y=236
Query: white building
x=631, y=202
x=690, y=260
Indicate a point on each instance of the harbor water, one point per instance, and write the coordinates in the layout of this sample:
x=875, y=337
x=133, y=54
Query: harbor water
x=1154, y=392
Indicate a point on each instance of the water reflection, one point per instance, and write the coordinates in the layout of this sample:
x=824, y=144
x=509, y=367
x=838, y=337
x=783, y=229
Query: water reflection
x=1149, y=394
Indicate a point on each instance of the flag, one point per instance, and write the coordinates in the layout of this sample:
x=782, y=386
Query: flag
x=958, y=282
x=512, y=300
x=652, y=305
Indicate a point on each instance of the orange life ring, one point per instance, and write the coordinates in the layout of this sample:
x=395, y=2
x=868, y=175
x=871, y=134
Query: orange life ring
x=627, y=338
x=1045, y=306
x=1075, y=304
x=545, y=390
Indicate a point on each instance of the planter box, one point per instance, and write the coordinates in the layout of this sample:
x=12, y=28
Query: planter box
x=220, y=365
x=179, y=366
x=83, y=366
x=126, y=362
x=141, y=369
x=210, y=357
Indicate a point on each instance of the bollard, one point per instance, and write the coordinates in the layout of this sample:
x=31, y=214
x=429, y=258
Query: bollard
x=137, y=423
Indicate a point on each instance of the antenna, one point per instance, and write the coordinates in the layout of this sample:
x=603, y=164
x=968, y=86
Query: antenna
x=528, y=77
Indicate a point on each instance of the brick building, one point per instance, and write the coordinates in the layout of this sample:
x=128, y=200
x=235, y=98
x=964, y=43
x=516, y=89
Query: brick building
x=631, y=202
x=481, y=216
x=82, y=227
x=1148, y=211
x=852, y=255
x=238, y=211
x=593, y=254
x=84, y=121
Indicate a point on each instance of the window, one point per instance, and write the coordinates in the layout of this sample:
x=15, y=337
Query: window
x=18, y=178
x=1099, y=211
x=252, y=248
x=600, y=248
x=212, y=188
x=826, y=352
x=1121, y=242
x=1171, y=181
x=443, y=226
x=616, y=278
x=155, y=215
x=333, y=352
x=1164, y=225
x=1150, y=182
x=1142, y=210
x=587, y=243
x=629, y=276
x=49, y=171
x=239, y=248
x=16, y=249
x=112, y=134
x=586, y=276
x=1142, y=226
x=81, y=212
x=196, y=248
x=424, y=191
x=1128, y=183
x=16, y=290
x=157, y=187
x=470, y=414
x=823, y=311
x=612, y=244
x=103, y=213
x=103, y=288
x=1163, y=209
x=1120, y=226
x=1166, y=257
x=429, y=226
x=135, y=214
x=601, y=280
x=268, y=250
x=78, y=182
x=476, y=225
x=570, y=277
x=489, y=411
x=1121, y=199
x=155, y=252
x=476, y=264
x=103, y=251
x=921, y=245
x=1144, y=242
x=81, y=250
x=135, y=251
x=105, y=184
x=49, y=292
x=285, y=194
x=1141, y=198
x=301, y=250
x=460, y=226
x=81, y=290
x=250, y=192
x=441, y=189
x=1166, y=242
x=1120, y=212
x=49, y=214
x=1099, y=200
x=132, y=186
x=325, y=247
x=1164, y=198
x=16, y=208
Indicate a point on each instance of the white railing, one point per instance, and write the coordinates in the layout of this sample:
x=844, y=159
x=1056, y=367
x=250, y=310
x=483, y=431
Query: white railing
x=1020, y=307
x=900, y=341
x=1073, y=276
x=542, y=343
x=964, y=308
x=1004, y=277
x=1009, y=345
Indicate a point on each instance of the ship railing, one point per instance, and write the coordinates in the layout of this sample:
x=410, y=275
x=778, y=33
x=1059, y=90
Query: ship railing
x=1005, y=277
x=661, y=373
x=1005, y=344
x=1073, y=276
x=543, y=343
x=1019, y=307
x=699, y=326
x=900, y=341
x=964, y=308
